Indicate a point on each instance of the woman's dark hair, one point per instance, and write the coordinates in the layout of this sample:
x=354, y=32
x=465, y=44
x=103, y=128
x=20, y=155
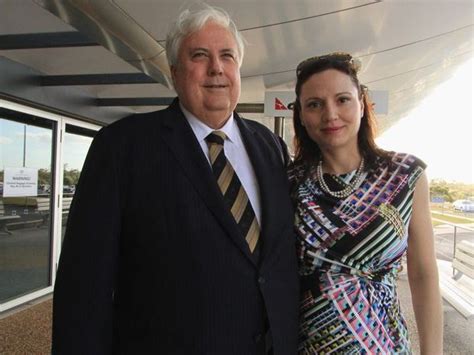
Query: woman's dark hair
x=307, y=150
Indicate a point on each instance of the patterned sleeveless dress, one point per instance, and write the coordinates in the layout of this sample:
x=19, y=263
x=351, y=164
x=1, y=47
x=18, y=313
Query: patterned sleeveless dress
x=350, y=252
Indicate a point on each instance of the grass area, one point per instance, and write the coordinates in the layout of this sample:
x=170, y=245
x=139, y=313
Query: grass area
x=452, y=211
x=450, y=218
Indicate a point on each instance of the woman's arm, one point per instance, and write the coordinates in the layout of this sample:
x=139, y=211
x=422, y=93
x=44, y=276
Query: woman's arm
x=423, y=273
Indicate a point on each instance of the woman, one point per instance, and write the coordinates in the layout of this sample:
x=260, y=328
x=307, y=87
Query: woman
x=358, y=210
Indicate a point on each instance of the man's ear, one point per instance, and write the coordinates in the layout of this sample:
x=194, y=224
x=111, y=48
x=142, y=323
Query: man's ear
x=173, y=72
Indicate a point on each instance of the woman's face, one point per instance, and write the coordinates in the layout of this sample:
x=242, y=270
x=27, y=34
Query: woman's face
x=331, y=110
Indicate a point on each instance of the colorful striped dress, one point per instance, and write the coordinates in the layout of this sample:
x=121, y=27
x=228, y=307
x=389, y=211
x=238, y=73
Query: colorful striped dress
x=350, y=252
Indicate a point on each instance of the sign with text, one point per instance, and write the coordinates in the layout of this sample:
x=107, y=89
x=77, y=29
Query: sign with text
x=277, y=102
x=20, y=182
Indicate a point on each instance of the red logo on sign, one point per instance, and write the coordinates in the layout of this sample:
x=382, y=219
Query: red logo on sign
x=279, y=105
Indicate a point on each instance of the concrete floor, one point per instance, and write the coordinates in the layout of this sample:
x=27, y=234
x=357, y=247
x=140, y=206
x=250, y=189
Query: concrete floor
x=458, y=331
x=27, y=330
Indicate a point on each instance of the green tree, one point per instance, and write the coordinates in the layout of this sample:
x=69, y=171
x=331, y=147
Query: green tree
x=71, y=177
x=451, y=191
x=44, y=177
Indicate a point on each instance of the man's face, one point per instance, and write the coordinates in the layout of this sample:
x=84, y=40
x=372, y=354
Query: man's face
x=207, y=75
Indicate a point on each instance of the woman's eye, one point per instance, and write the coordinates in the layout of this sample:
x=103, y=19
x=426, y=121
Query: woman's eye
x=344, y=99
x=314, y=104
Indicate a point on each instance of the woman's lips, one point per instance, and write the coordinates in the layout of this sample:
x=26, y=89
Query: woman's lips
x=331, y=129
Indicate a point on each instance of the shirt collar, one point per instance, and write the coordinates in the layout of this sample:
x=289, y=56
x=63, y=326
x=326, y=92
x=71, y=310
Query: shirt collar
x=201, y=130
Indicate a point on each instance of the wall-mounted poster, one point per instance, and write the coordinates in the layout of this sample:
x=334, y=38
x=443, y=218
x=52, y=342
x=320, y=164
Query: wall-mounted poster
x=20, y=182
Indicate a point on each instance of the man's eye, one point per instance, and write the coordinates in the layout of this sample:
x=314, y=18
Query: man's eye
x=198, y=54
x=228, y=55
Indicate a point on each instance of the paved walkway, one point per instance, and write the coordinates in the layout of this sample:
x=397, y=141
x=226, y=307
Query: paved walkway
x=458, y=331
x=28, y=331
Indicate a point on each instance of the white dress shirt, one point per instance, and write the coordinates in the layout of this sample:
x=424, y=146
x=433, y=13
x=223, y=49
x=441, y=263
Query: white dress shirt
x=235, y=152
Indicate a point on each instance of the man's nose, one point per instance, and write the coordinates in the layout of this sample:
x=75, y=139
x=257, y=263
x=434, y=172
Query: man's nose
x=215, y=66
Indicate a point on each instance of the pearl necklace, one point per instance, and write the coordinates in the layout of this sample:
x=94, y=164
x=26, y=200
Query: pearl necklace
x=353, y=184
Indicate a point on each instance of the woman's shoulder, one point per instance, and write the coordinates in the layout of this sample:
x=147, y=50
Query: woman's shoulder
x=295, y=171
x=404, y=165
x=406, y=161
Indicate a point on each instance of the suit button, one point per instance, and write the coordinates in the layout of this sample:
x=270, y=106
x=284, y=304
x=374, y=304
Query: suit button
x=258, y=338
x=261, y=280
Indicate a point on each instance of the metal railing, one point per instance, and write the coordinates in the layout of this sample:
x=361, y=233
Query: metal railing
x=455, y=226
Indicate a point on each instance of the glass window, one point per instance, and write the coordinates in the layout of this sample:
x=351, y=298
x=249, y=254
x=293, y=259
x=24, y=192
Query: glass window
x=76, y=143
x=26, y=178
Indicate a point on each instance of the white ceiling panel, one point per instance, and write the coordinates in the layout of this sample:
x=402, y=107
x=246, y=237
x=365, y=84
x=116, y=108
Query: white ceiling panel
x=24, y=16
x=407, y=47
x=130, y=90
x=155, y=15
x=74, y=60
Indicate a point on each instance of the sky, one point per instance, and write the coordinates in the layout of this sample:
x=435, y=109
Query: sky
x=440, y=130
x=38, y=147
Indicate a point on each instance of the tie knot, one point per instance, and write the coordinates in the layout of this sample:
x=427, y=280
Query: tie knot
x=216, y=137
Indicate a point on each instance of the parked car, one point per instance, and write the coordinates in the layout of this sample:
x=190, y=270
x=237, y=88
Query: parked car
x=69, y=189
x=464, y=205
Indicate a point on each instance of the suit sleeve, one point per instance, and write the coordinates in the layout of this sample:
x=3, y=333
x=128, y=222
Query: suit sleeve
x=285, y=153
x=83, y=293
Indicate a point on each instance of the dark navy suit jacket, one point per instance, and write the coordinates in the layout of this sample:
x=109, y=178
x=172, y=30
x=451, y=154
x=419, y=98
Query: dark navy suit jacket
x=153, y=261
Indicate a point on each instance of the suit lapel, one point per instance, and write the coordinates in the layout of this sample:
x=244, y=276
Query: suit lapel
x=185, y=147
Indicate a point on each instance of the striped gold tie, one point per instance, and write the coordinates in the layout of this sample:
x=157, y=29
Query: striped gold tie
x=231, y=187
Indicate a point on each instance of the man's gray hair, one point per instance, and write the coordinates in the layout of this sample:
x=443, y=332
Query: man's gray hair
x=189, y=22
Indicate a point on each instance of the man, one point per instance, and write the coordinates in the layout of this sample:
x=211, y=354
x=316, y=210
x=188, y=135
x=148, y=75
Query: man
x=180, y=243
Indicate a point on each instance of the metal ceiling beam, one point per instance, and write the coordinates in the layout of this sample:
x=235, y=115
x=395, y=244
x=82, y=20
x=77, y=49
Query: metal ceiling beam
x=97, y=79
x=165, y=101
x=45, y=40
x=249, y=108
x=107, y=23
x=135, y=101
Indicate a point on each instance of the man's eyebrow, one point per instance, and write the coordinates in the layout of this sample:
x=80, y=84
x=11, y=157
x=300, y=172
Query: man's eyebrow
x=224, y=50
x=195, y=49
